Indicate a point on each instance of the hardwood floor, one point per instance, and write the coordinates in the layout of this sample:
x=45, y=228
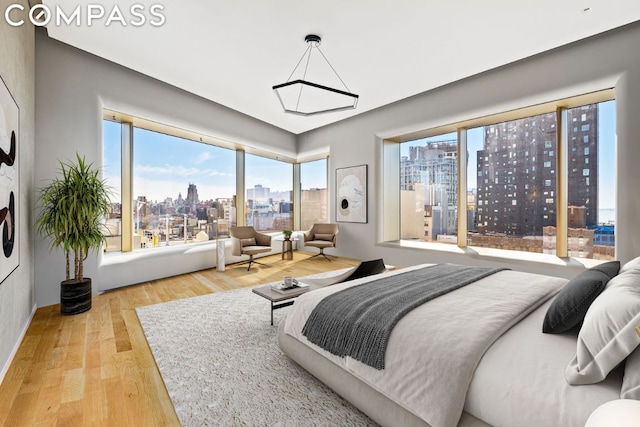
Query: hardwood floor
x=96, y=369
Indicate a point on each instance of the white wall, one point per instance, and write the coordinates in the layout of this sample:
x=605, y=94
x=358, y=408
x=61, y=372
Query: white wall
x=601, y=62
x=72, y=89
x=17, y=54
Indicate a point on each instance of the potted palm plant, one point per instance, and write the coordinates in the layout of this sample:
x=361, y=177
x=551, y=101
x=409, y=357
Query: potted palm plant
x=72, y=211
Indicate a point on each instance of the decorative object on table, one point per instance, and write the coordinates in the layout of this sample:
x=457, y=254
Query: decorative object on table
x=321, y=236
x=351, y=194
x=301, y=96
x=247, y=241
x=290, y=286
x=9, y=182
x=287, y=234
x=72, y=212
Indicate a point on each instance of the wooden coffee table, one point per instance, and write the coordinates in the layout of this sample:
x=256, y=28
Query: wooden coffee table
x=280, y=300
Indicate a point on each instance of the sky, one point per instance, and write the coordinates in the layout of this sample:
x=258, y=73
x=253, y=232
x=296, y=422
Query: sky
x=165, y=165
x=606, y=153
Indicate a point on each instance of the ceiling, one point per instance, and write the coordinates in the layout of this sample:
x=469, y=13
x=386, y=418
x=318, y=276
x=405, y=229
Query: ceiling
x=232, y=52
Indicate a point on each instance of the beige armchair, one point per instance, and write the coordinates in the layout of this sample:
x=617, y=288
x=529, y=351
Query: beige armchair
x=322, y=236
x=247, y=241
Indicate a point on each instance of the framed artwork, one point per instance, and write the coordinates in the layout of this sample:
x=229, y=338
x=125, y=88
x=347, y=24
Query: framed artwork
x=9, y=182
x=351, y=194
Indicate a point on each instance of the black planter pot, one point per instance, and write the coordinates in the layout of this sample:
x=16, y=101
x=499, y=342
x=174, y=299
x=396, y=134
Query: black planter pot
x=75, y=296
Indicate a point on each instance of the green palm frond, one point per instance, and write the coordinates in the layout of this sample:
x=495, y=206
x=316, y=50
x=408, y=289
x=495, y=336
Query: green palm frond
x=72, y=209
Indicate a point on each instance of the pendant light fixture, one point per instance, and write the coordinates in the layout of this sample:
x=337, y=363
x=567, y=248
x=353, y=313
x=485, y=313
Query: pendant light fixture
x=302, y=94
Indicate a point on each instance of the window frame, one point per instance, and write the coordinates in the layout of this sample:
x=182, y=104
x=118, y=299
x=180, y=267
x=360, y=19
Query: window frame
x=129, y=122
x=391, y=224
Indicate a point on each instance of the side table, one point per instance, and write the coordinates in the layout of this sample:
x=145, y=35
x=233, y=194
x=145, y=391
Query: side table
x=287, y=246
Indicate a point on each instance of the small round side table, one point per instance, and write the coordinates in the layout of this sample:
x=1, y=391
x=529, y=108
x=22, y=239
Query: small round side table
x=287, y=246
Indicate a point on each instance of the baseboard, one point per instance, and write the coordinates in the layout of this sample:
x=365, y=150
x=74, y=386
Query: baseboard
x=13, y=353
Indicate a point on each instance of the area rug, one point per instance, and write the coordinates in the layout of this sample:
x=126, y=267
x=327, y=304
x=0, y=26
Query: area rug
x=222, y=366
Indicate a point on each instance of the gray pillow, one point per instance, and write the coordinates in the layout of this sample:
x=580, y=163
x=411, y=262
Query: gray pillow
x=572, y=302
x=610, y=268
x=367, y=268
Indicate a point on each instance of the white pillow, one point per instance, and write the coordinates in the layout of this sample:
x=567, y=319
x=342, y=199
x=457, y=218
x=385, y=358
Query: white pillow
x=631, y=379
x=634, y=264
x=608, y=334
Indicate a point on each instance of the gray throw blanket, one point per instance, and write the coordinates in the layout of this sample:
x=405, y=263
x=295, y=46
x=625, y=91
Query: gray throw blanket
x=357, y=321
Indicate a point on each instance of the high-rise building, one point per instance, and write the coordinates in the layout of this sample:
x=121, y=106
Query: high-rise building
x=429, y=184
x=434, y=165
x=192, y=194
x=516, y=172
x=258, y=192
x=582, y=146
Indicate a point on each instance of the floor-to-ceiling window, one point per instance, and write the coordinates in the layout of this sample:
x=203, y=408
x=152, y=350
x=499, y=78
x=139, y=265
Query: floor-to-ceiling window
x=269, y=193
x=313, y=193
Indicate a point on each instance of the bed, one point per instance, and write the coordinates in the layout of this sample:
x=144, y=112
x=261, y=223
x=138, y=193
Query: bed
x=512, y=375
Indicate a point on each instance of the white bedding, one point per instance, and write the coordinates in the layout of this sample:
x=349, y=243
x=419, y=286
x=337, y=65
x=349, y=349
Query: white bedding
x=432, y=384
x=521, y=380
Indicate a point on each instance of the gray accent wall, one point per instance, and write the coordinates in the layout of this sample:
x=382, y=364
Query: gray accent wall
x=17, y=300
x=73, y=88
x=609, y=60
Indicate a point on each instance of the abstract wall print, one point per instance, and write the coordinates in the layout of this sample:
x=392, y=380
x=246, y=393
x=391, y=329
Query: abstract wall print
x=351, y=194
x=9, y=182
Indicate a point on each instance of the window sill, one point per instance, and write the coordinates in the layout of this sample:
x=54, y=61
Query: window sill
x=118, y=257
x=494, y=255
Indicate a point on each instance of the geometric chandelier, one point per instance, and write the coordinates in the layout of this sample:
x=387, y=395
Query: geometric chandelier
x=302, y=96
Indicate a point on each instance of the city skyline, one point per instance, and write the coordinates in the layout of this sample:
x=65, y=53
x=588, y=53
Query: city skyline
x=606, y=152
x=211, y=168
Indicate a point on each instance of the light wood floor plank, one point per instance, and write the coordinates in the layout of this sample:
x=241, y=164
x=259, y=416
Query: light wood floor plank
x=96, y=368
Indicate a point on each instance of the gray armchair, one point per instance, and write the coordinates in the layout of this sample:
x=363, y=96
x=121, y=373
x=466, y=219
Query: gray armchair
x=247, y=241
x=322, y=236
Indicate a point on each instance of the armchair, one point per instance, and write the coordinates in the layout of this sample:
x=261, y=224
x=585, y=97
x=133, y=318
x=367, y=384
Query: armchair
x=321, y=236
x=247, y=241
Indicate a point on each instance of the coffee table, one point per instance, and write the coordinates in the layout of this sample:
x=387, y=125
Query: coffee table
x=280, y=300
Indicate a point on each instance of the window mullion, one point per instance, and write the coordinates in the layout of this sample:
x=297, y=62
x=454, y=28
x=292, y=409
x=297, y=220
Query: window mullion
x=240, y=188
x=462, y=187
x=562, y=189
x=297, y=208
x=127, y=187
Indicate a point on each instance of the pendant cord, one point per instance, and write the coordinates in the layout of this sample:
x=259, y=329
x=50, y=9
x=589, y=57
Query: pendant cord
x=306, y=67
x=298, y=64
x=339, y=78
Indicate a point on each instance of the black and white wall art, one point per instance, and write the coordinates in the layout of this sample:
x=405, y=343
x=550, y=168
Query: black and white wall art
x=9, y=182
x=351, y=194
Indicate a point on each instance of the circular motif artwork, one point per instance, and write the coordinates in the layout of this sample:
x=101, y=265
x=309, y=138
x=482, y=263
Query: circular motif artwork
x=351, y=194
